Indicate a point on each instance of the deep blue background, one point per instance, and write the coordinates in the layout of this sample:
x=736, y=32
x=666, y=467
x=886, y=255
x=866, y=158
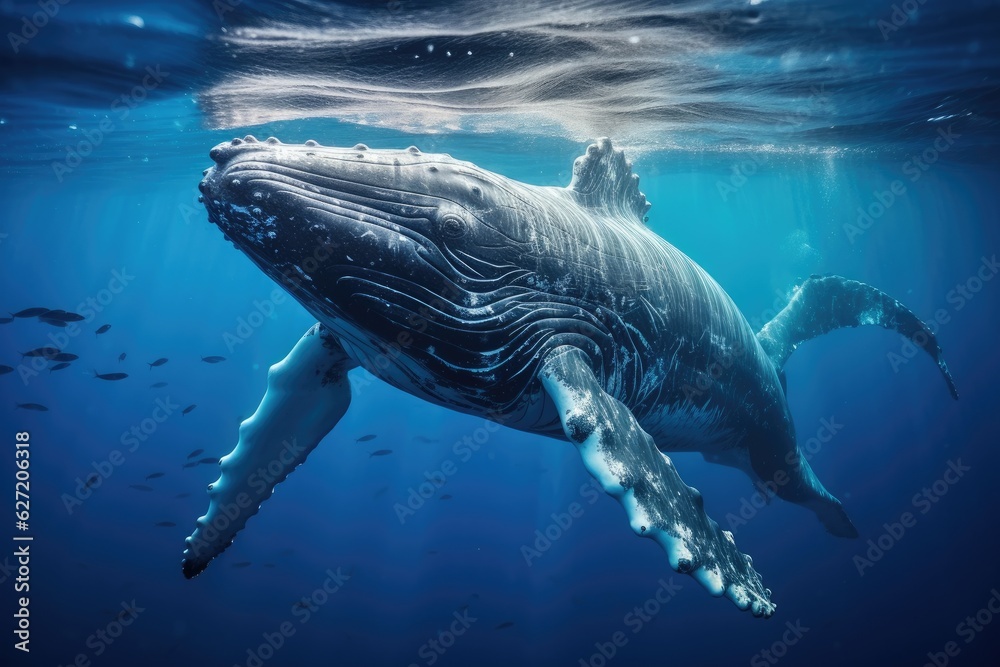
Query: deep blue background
x=131, y=207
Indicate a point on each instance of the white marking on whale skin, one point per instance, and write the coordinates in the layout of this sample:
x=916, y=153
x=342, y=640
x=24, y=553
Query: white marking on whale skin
x=258, y=228
x=710, y=578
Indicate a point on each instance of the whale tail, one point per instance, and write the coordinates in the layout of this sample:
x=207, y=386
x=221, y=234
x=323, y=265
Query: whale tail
x=819, y=305
x=824, y=303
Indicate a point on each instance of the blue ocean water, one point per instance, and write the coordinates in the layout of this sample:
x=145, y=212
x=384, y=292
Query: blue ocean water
x=775, y=140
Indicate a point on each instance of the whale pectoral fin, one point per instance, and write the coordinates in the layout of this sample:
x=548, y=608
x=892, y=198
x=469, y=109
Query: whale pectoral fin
x=307, y=394
x=625, y=460
x=824, y=303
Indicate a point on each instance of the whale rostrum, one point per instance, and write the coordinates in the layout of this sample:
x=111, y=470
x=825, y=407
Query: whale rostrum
x=550, y=310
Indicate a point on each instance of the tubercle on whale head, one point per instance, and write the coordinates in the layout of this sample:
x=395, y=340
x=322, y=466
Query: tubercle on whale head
x=313, y=214
x=332, y=169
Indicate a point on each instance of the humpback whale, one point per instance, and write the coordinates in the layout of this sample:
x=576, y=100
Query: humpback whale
x=551, y=310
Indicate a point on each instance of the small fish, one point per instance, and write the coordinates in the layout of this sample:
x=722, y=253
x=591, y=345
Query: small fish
x=91, y=481
x=65, y=356
x=380, y=452
x=59, y=367
x=121, y=357
x=158, y=385
x=154, y=475
x=182, y=495
x=213, y=359
x=32, y=406
x=301, y=605
x=446, y=496
x=140, y=487
x=424, y=438
x=110, y=376
x=244, y=563
x=53, y=323
x=6, y=320
x=432, y=552
x=190, y=465
x=61, y=315
x=47, y=352
x=104, y=329
x=159, y=362
x=268, y=564
x=30, y=312
x=366, y=438
x=504, y=625
x=165, y=524
x=208, y=460
x=195, y=453
x=189, y=408
x=5, y=369
x=381, y=492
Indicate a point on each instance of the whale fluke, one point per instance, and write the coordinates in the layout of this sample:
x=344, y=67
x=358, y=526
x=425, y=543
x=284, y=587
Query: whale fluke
x=824, y=303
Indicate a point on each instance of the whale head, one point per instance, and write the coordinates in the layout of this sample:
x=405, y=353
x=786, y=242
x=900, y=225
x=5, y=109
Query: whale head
x=348, y=231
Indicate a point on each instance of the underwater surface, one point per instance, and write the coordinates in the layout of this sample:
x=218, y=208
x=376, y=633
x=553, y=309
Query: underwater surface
x=774, y=139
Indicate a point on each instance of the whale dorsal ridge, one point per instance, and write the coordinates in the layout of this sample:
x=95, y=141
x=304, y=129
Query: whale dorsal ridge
x=603, y=178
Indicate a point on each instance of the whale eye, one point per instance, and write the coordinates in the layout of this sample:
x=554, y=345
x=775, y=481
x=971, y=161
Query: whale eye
x=453, y=226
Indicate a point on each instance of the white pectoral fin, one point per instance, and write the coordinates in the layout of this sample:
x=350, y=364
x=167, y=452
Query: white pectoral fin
x=626, y=462
x=307, y=394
